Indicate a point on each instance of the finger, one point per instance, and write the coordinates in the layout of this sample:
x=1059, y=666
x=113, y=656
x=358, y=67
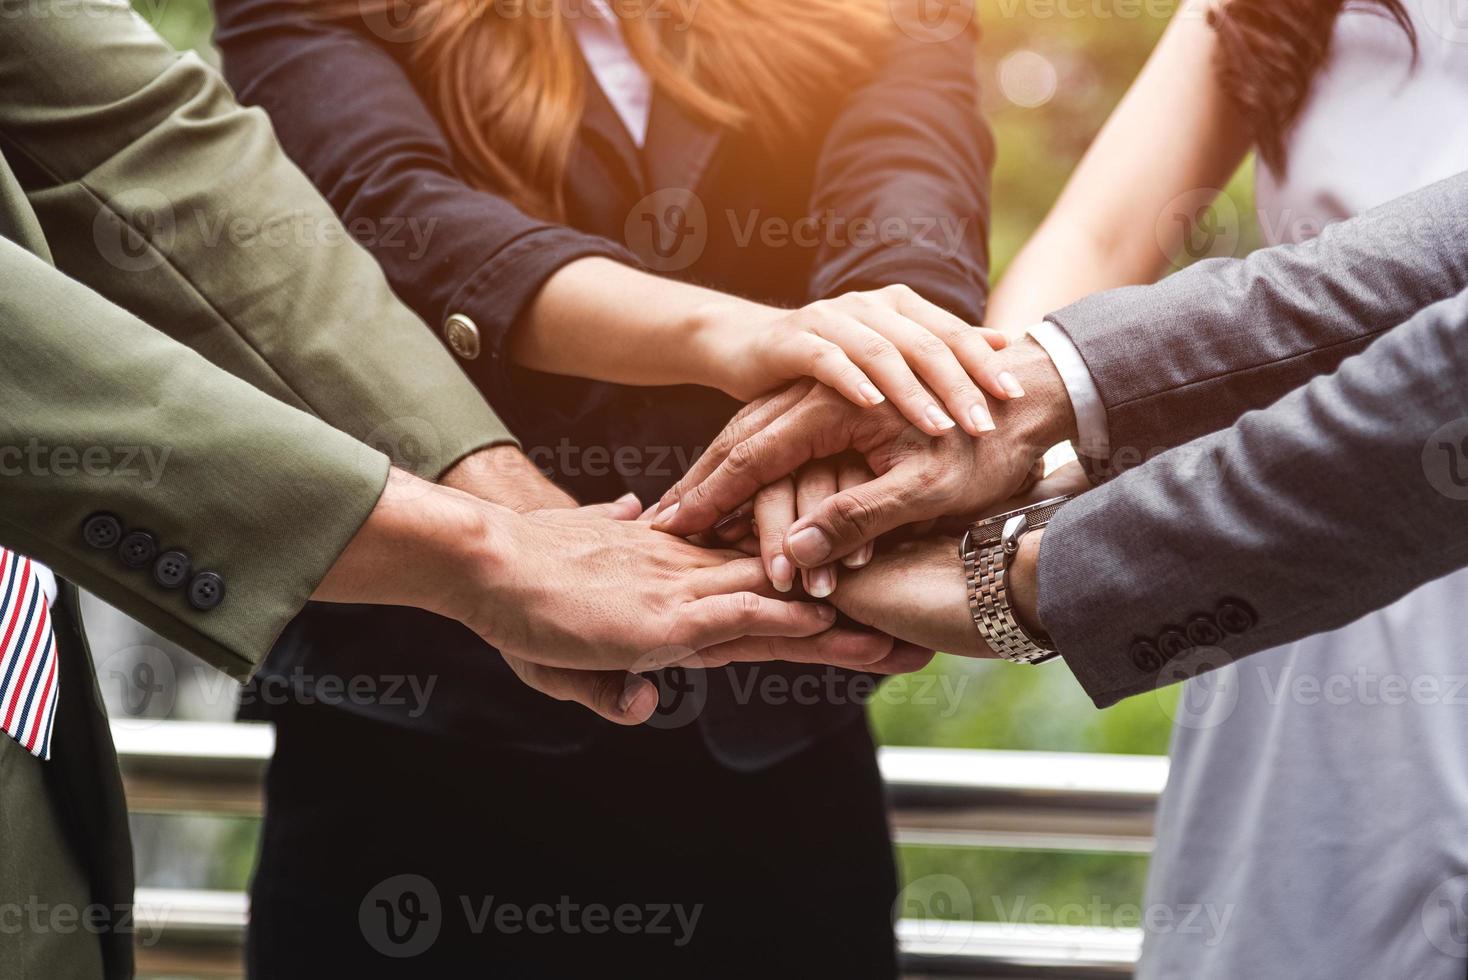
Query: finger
x=813, y=484
x=884, y=362
x=939, y=366
x=751, y=419
x=774, y=512
x=905, y=658
x=765, y=456
x=973, y=346
x=625, y=508
x=735, y=573
x=852, y=471
x=616, y=695
x=718, y=619
x=852, y=649
x=852, y=518
x=808, y=355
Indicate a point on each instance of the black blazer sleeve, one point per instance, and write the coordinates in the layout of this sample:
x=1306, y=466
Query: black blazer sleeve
x=910, y=151
x=370, y=143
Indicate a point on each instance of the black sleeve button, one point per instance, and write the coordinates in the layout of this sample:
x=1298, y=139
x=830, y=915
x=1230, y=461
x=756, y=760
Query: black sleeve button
x=1203, y=631
x=102, y=531
x=172, y=569
x=1173, y=643
x=1236, y=616
x=138, y=548
x=206, y=591
x=1146, y=657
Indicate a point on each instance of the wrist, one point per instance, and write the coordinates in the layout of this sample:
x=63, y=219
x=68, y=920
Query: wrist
x=504, y=475
x=1044, y=417
x=1022, y=582
x=711, y=334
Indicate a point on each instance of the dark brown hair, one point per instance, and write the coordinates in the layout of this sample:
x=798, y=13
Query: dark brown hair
x=1269, y=53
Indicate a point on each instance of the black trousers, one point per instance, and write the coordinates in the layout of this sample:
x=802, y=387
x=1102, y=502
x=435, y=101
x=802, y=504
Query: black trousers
x=391, y=854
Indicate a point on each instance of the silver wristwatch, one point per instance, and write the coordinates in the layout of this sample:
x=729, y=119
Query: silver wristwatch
x=987, y=549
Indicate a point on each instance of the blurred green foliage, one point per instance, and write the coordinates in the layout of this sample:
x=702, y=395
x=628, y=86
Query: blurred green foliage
x=1095, y=48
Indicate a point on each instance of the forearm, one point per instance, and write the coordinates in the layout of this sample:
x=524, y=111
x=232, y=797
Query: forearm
x=1351, y=488
x=158, y=190
x=1060, y=264
x=1227, y=336
x=602, y=320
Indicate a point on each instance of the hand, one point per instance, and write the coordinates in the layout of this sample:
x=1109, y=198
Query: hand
x=780, y=504
x=889, y=343
x=917, y=591
x=579, y=603
x=505, y=476
x=919, y=477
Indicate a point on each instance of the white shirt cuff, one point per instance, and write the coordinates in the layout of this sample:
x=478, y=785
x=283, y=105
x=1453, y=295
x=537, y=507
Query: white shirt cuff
x=1094, y=440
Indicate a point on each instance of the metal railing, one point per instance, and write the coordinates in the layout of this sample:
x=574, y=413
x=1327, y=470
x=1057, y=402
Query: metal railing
x=939, y=797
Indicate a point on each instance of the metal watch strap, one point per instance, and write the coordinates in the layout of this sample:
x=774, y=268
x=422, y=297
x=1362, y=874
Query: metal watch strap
x=986, y=564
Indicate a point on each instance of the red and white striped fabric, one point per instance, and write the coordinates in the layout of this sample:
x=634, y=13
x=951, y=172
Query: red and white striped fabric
x=28, y=678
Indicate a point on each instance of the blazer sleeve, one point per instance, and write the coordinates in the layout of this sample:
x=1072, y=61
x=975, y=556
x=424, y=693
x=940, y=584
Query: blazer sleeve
x=909, y=152
x=1340, y=498
x=105, y=415
x=369, y=142
x=1189, y=355
x=155, y=188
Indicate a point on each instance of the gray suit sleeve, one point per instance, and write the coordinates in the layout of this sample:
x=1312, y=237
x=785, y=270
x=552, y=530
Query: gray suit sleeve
x=1189, y=355
x=1340, y=498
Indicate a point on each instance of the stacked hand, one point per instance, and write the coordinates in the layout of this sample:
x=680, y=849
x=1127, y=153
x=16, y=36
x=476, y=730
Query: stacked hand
x=916, y=590
x=582, y=601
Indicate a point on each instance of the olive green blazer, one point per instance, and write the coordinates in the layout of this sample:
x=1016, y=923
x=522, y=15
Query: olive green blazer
x=191, y=342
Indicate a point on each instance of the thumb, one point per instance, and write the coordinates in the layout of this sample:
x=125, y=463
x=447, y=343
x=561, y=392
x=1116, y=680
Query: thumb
x=857, y=515
x=625, y=508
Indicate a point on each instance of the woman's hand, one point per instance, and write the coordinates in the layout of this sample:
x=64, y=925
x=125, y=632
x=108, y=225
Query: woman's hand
x=871, y=346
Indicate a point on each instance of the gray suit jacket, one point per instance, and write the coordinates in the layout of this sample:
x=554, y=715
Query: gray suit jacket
x=1296, y=499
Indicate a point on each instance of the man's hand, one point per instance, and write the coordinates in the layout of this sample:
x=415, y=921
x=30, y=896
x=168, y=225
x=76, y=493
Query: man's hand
x=580, y=604
x=919, y=477
x=917, y=592
x=505, y=476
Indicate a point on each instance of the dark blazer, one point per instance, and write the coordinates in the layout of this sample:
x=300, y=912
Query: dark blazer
x=905, y=149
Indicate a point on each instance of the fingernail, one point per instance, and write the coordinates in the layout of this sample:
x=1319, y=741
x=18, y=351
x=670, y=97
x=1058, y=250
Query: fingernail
x=731, y=520
x=1010, y=384
x=629, y=498
x=782, y=573
x=870, y=393
x=635, y=694
x=939, y=419
x=821, y=582
x=859, y=558
x=666, y=516
x=810, y=546
x=827, y=613
x=983, y=421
